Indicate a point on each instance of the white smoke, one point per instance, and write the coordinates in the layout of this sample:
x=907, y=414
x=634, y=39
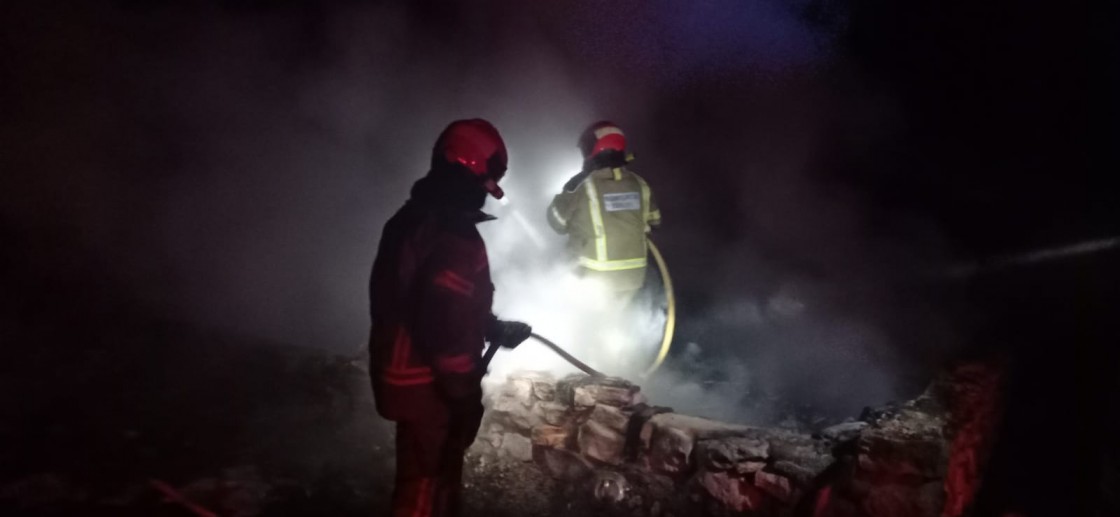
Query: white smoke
x=536, y=282
x=242, y=183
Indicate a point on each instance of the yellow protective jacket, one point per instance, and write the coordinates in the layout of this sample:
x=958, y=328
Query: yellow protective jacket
x=606, y=218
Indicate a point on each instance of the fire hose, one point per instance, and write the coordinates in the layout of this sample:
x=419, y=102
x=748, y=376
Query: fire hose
x=493, y=348
x=671, y=314
x=567, y=357
x=666, y=339
x=666, y=282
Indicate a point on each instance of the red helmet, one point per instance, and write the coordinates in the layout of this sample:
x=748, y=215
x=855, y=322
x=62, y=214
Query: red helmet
x=475, y=145
x=600, y=137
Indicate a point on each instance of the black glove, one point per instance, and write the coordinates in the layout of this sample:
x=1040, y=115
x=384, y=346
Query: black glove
x=507, y=334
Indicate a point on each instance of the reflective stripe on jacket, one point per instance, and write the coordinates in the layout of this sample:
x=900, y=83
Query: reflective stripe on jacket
x=606, y=218
x=430, y=297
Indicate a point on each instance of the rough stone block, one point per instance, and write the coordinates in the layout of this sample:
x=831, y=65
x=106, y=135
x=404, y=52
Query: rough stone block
x=699, y=428
x=517, y=447
x=670, y=449
x=550, y=436
x=750, y=467
x=796, y=473
x=553, y=413
x=584, y=391
x=565, y=388
x=590, y=395
x=887, y=455
x=545, y=391
x=610, y=416
x=542, y=385
x=775, y=485
x=809, y=455
x=510, y=411
x=843, y=432
x=669, y=439
x=726, y=453
x=601, y=443
x=732, y=491
x=491, y=434
x=518, y=389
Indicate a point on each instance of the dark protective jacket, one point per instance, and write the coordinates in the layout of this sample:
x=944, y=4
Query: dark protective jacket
x=430, y=300
x=607, y=213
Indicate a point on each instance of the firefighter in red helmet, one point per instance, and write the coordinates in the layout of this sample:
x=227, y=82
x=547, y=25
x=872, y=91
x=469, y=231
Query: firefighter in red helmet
x=430, y=296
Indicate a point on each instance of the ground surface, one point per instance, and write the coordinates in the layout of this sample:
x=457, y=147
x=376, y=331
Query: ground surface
x=235, y=426
x=98, y=400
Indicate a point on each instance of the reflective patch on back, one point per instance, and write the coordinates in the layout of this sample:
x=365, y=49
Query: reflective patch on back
x=621, y=201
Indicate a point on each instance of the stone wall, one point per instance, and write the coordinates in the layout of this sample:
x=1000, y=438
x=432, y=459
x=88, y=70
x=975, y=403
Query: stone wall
x=602, y=432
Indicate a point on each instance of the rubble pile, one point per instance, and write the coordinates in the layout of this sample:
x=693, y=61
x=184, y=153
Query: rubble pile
x=602, y=436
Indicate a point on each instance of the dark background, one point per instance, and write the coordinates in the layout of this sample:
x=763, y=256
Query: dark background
x=223, y=167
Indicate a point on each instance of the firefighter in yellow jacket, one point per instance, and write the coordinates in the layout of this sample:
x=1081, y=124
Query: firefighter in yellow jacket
x=607, y=210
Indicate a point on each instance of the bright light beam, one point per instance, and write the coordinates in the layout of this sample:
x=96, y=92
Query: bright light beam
x=1036, y=256
x=533, y=234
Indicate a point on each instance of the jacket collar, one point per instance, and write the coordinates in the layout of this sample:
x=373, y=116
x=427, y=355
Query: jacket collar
x=447, y=200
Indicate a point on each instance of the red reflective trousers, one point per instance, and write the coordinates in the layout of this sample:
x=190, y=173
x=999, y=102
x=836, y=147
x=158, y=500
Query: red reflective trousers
x=430, y=465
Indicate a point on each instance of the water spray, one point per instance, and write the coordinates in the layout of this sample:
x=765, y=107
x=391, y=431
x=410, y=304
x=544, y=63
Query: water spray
x=519, y=218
